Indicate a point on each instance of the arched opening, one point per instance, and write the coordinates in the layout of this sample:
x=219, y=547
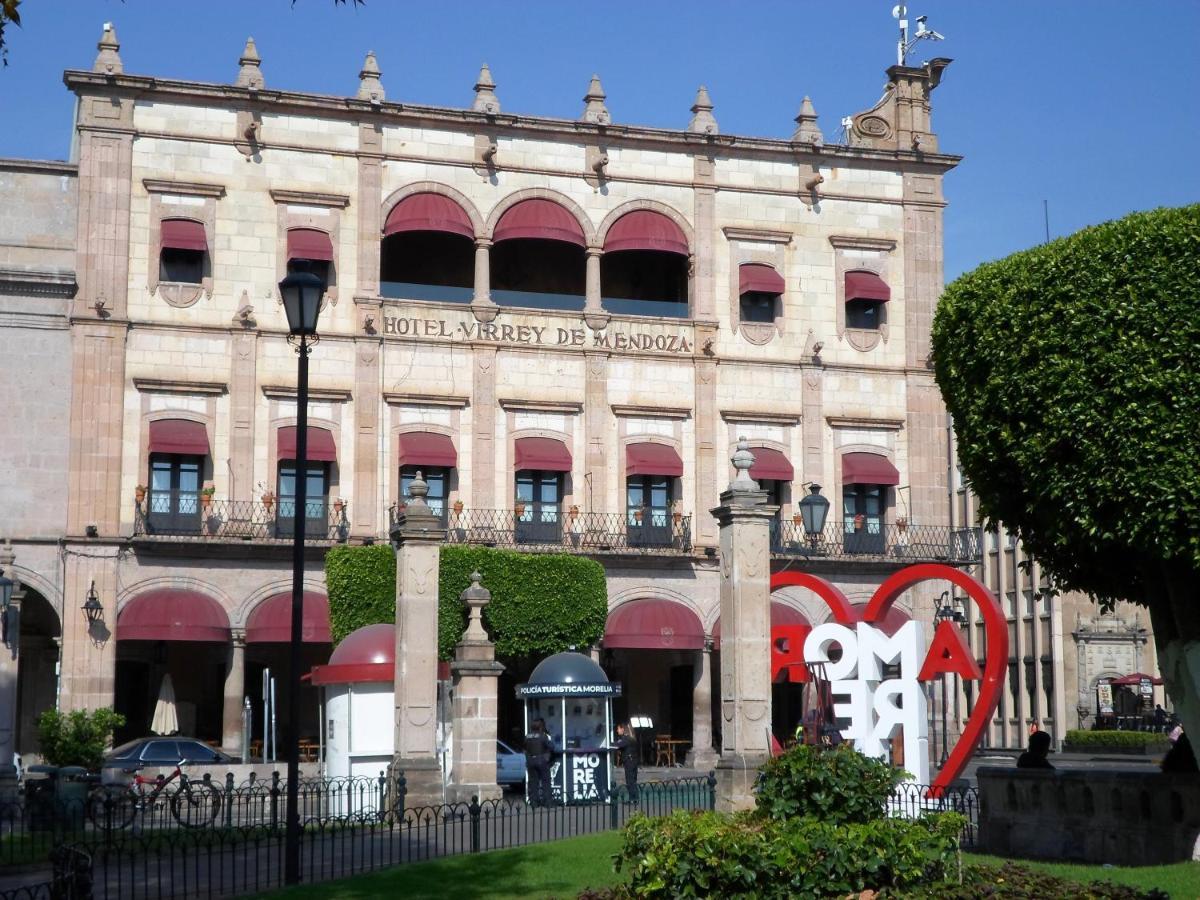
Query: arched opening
x=37, y=667
x=537, y=258
x=644, y=270
x=428, y=250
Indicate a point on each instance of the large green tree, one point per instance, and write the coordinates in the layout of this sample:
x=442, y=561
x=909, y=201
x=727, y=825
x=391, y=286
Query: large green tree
x=1072, y=372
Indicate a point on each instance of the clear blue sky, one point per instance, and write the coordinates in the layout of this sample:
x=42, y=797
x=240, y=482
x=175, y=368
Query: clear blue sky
x=1090, y=105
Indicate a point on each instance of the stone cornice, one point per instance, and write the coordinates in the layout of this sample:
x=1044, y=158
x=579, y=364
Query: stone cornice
x=202, y=93
x=629, y=410
x=551, y=406
x=861, y=242
x=171, y=386
x=287, y=392
x=762, y=235
x=37, y=283
x=185, y=188
x=309, y=198
x=396, y=399
x=770, y=418
x=48, y=166
x=864, y=422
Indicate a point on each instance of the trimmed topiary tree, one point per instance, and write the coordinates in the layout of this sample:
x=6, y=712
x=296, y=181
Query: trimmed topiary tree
x=1071, y=373
x=541, y=603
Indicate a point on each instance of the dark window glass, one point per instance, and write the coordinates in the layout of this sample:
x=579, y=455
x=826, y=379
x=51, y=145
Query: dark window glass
x=318, y=267
x=161, y=752
x=437, y=479
x=316, y=516
x=864, y=314
x=173, y=501
x=427, y=265
x=539, y=501
x=186, y=266
x=757, y=306
x=648, y=500
x=862, y=514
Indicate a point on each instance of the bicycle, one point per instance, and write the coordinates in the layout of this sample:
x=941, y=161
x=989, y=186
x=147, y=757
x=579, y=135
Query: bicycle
x=194, y=804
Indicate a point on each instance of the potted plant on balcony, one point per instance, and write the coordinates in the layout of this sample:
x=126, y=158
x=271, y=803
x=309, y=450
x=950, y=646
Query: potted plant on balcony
x=902, y=524
x=797, y=520
x=859, y=521
x=519, y=508
x=638, y=514
x=458, y=507
x=268, y=500
x=338, y=505
x=677, y=514
x=206, y=495
x=573, y=512
x=139, y=494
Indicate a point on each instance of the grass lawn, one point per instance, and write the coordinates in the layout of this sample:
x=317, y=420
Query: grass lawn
x=563, y=868
x=557, y=869
x=1180, y=880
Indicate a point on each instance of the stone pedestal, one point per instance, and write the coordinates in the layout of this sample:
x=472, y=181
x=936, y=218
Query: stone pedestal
x=417, y=536
x=702, y=755
x=476, y=673
x=744, y=519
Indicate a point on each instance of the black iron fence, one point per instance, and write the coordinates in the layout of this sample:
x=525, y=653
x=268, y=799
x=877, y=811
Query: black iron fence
x=551, y=528
x=867, y=539
x=913, y=800
x=191, y=515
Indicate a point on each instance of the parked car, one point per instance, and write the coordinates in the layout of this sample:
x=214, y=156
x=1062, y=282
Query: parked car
x=164, y=751
x=510, y=765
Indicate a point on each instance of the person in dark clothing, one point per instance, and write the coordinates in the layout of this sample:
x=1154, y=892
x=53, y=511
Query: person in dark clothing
x=1180, y=757
x=1035, y=756
x=628, y=746
x=538, y=750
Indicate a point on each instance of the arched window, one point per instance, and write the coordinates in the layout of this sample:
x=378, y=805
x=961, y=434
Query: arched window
x=428, y=250
x=537, y=257
x=644, y=270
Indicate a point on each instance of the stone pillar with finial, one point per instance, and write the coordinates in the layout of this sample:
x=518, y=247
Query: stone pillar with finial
x=108, y=60
x=594, y=110
x=474, y=710
x=703, y=121
x=807, y=131
x=250, y=72
x=486, y=101
x=370, y=88
x=417, y=537
x=744, y=518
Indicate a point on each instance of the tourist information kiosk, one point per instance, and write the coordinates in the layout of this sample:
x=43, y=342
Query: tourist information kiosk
x=573, y=696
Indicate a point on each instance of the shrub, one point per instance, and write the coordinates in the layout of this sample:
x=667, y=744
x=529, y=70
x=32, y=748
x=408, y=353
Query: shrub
x=541, y=603
x=711, y=855
x=836, y=786
x=77, y=738
x=1115, y=740
x=1016, y=882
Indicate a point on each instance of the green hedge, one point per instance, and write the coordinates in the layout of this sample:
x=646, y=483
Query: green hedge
x=838, y=786
x=1115, y=740
x=541, y=604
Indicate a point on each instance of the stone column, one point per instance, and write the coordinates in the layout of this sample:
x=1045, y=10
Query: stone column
x=483, y=429
x=482, y=304
x=593, y=310
x=9, y=662
x=417, y=536
x=476, y=674
x=702, y=756
x=744, y=518
x=235, y=689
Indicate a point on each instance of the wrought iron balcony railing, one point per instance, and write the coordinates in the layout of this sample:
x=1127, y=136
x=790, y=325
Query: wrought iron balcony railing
x=192, y=516
x=551, y=529
x=878, y=541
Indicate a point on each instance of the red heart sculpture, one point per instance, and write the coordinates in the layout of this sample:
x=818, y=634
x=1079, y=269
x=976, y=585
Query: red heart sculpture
x=996, y=627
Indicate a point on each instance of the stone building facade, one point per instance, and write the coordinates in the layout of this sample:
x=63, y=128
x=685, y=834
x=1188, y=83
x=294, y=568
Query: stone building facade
x=566, y=325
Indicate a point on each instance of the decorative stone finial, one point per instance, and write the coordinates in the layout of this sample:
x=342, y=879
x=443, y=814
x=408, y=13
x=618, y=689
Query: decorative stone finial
x=594, y=110
x=108, y=60
x=369, y=86
x=807, y=131
x=250, y=74
x=476, y=597
x=742, y=460
x=703, y=120
x=486, y=100
x=418, y=490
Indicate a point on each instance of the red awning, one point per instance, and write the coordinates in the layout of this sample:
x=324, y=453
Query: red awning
x=365, y=655
x=544, y=454
x=652, y=459
x=861, y=285
x=759, y=277
x=868, y=468
x=892, y=621
x=653, y=625
x=644, y=229
x=181, y=436
x=271, y=621
x=309, y=243
x=537, y=218
x=173, y=615
x=781, y=614
x=1135, y=679
x=770, y=465
x=183, y=234
x=428, y=212
x=320, y=444
x=427, y=448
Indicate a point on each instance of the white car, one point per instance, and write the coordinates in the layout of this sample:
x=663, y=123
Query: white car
x=510, y=765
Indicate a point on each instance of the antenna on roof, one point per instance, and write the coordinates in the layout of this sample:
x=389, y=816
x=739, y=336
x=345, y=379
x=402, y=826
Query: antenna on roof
x=905, y=45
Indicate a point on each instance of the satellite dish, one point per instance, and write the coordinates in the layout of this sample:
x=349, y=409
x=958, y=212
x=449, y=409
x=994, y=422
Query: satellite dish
x=898, y=11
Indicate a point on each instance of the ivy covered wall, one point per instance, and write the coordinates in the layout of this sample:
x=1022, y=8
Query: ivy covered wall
x=541, y=603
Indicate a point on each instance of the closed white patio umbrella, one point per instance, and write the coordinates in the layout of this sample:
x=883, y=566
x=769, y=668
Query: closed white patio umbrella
x=166, y=719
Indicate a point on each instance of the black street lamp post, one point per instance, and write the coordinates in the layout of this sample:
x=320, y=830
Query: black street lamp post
x=946, y=613
x=301, y=292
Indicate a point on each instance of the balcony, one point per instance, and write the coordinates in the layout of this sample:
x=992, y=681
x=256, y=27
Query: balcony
x=189, y=516
x=553, y=531
x=874, y=543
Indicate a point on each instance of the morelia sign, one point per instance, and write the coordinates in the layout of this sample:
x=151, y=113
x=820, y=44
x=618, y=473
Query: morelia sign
x=874, y=708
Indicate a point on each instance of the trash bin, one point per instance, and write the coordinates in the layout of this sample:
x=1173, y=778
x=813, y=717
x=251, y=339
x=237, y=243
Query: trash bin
x=71, y=792
x=40, y=784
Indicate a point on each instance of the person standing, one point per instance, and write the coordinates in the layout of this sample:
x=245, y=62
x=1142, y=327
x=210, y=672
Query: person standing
x=537, y=758
x=1039, y=749
x=628, y=746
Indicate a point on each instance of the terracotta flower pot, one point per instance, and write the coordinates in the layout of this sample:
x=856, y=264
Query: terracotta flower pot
x=458, y=507
x=139, y=493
